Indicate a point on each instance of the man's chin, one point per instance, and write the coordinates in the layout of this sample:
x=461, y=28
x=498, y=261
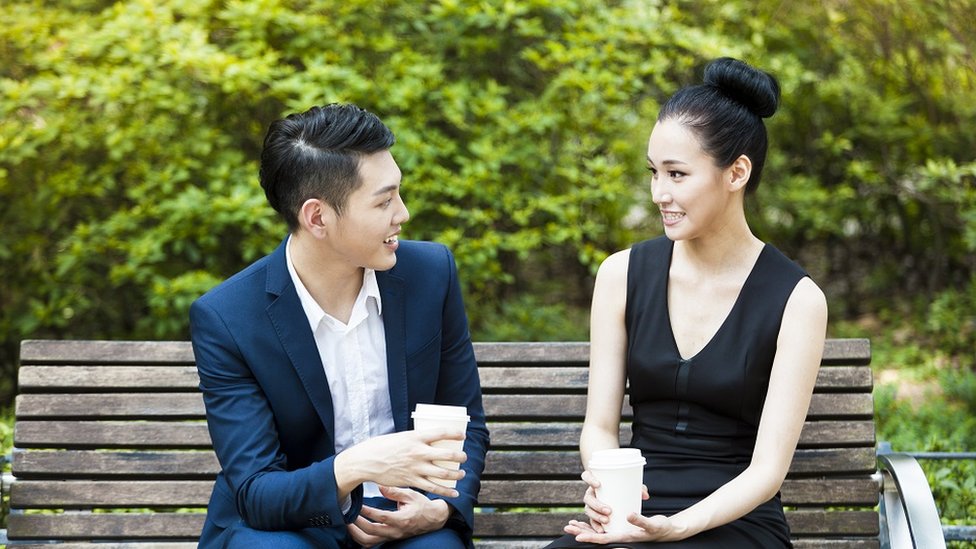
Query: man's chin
x=385, y=265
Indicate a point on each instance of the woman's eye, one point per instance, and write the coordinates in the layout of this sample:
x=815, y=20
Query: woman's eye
x=675, y=175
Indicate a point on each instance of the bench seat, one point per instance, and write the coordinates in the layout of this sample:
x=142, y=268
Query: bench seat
x=111, y=447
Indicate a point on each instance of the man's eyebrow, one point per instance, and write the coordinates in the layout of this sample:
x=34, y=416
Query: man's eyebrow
x=386, y=189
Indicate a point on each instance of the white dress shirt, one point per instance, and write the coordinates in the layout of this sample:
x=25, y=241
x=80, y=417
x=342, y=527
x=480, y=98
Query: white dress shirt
x=354, y=358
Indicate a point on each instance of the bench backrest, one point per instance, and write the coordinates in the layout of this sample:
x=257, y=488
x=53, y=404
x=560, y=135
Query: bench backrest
x=127, y=421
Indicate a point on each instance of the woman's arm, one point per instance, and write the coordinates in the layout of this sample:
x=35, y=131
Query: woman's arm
x=607, y=378
x=608, y=349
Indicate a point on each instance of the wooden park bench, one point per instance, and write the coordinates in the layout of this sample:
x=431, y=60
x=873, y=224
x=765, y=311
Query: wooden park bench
x=111, y=447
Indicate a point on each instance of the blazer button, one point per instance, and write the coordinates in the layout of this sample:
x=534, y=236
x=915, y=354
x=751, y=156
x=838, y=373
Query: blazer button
x=320, y=521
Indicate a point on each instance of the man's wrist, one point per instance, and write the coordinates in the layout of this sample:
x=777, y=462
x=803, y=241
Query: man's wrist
x=442, y=512
x=345, y=473
x=455, y=520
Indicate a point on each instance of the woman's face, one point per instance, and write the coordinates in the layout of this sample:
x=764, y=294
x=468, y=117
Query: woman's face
x=686, y=185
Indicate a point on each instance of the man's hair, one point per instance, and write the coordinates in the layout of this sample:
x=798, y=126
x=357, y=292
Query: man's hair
x=316, y=154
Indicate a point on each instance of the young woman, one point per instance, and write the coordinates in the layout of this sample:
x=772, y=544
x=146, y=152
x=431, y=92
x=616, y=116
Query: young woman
x=718, y=334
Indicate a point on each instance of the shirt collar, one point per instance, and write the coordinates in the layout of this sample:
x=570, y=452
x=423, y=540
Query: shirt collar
x=314, y=312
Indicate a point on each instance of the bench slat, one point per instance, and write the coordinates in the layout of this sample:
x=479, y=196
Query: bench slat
x=554, y=434
x=188, y=525
x=109, y=352
x=178, y=434
x=527, y=379
x=806, y=462
x=82, y=526
x=848, y=351
x=802, y=523
x=795, y=493
x=111, y=434
x=190, y=406
x=101, y=378
x=86, y=494
x=72, y=464
x=111, y=405
x=77, y=464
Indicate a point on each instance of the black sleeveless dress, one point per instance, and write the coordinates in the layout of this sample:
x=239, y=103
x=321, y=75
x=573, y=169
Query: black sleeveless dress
x=696, y=419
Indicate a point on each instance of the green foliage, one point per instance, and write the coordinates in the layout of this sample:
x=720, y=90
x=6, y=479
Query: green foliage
x=872, y=154
x=950, y=320
x=935, y=425
x=528, y=318
x=131, y=132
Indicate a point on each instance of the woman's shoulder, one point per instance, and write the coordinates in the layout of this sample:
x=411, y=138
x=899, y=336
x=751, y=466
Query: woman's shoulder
x=615, y=265
x=776, y=258
x=805, y=295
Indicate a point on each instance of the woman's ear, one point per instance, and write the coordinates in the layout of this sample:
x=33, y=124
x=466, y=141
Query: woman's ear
x=739, y=172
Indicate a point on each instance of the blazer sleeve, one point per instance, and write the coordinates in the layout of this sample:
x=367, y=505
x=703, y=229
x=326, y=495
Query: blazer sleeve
x=242, y=427
x=459, y=384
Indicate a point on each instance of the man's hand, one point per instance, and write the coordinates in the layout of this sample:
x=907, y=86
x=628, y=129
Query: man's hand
x=415, y=515
x=400, y=459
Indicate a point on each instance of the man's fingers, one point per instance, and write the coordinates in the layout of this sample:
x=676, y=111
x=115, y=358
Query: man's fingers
x=372, y=529
x=360, y=537
x=399, y=495
x=433, y=435
x=375, y=515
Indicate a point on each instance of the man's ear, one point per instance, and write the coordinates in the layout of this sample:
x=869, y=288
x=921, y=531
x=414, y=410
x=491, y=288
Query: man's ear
x=316, y=217
x=739, y=172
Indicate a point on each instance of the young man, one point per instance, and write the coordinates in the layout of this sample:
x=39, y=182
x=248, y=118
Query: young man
x=312, y=358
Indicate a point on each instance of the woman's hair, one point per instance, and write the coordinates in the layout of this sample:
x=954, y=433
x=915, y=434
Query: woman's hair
x=725, y=113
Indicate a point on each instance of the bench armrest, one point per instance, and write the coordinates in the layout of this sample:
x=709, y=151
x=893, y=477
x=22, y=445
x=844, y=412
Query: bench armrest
x=908, y=515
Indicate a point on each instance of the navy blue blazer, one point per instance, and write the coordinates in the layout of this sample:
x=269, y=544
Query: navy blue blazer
x=267, y=398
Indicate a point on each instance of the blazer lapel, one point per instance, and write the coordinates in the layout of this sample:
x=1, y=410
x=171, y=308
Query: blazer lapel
x=394, y=326
x=289, y=320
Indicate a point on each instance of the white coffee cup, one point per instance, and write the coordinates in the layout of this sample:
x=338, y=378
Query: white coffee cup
x=438, y=416
x=620, y=472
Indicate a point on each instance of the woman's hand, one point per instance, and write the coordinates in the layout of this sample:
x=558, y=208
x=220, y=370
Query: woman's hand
x=597, y=511
x=655, y=528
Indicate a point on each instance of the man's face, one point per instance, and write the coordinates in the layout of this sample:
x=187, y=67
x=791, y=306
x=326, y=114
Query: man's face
x=365, y=234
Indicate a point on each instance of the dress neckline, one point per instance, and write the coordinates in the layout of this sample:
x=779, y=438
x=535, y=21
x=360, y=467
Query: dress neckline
x=725, y=321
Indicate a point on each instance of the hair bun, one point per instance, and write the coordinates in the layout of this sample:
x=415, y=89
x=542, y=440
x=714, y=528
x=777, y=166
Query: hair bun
x=757, y=90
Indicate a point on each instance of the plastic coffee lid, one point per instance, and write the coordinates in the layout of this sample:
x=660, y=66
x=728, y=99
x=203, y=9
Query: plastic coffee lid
x=614, y=458
x=439, y=411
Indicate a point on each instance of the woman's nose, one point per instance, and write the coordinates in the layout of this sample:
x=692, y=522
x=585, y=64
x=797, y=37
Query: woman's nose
x=660, y=194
